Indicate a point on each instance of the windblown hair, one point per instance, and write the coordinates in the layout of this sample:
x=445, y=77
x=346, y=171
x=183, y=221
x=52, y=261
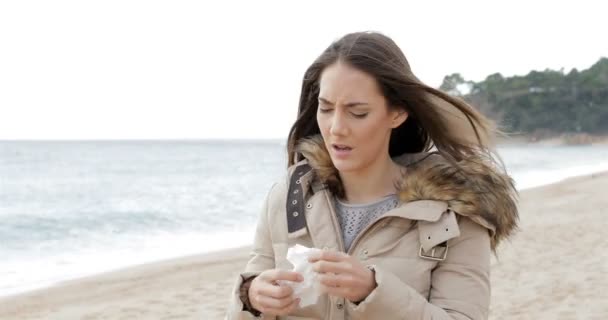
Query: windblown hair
x=435, y=119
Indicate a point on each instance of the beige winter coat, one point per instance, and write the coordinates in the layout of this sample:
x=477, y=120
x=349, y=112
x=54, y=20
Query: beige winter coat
x=431, y=254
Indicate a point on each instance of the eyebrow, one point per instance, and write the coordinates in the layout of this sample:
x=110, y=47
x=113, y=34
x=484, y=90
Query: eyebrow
x=351, y=104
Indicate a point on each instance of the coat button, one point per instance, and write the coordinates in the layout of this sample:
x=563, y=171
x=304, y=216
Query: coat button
x=308, y=206
x=340, y=306
x=364, y=254
x=295, y=214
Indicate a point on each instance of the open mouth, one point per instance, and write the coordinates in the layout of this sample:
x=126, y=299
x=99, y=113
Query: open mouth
x=339, y=147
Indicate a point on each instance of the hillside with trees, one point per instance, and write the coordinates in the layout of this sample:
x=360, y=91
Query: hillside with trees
x=541, y=102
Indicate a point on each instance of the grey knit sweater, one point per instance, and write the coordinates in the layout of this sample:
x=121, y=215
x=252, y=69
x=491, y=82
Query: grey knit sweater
x=353, y=218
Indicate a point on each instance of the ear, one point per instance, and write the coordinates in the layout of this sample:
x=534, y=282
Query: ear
x=398, y=117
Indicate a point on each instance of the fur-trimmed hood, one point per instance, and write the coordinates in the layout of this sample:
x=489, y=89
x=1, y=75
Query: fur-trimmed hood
x=485, y=194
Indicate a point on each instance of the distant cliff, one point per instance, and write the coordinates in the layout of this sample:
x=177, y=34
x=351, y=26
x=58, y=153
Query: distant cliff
x=541, y=103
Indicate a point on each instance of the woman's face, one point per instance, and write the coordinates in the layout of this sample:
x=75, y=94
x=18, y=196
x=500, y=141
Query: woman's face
x=354, y=118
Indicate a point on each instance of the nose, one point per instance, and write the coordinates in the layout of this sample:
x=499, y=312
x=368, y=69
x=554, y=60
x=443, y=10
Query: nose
x=339, y=126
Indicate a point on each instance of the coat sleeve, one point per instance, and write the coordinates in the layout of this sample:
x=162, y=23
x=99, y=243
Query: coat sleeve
x=460, y=285
x=261, y=258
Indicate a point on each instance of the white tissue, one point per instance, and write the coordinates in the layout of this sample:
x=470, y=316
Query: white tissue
x=309, y=289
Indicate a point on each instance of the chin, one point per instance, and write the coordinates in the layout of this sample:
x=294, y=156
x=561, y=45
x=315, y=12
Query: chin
x=345, y=165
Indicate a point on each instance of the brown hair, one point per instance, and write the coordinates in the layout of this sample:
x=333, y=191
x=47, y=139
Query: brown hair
x=435, y=118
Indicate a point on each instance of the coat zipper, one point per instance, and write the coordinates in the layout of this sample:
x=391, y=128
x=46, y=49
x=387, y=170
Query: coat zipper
x=334, y=219
x=374, y=224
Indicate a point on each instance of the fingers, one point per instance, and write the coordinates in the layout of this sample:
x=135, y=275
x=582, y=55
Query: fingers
x=345, y=286
x=277, y=274
x=272, y=303
x=280, y=311
x=325, y=255
x=268, y=283
x=323, y=266
x=331, y=261
x=353, y=286
x=278, y=292
x=338, y=280
x=270, y=298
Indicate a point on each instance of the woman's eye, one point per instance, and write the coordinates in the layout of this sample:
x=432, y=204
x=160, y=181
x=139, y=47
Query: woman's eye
x=322, y=110
x=360, y=116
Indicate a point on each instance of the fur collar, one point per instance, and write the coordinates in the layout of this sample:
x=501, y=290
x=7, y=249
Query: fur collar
x=485, y=194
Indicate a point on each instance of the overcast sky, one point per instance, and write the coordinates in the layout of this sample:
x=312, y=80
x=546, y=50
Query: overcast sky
x=232, y=69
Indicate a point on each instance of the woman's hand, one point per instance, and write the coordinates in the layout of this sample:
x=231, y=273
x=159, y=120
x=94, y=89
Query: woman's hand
x=343, y=275
x=268, y=297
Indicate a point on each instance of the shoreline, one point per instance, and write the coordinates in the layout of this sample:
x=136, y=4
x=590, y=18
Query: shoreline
x=191, y=286
x=124, y=282
x=202, y=257
x=209, y=256
x=206, y=258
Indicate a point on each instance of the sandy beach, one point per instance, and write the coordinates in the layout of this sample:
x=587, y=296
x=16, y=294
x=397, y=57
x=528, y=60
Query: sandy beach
x=556, y=267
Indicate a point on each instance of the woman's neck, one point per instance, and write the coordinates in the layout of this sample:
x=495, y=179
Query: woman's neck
x=371, y=183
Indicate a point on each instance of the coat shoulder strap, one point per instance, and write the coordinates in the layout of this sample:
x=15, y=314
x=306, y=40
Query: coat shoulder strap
x=296, y=219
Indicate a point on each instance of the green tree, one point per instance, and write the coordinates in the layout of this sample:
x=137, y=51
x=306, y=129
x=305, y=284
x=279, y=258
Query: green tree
x=548, y=100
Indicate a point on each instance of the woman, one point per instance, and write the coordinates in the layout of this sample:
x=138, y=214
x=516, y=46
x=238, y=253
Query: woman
x=406, y=233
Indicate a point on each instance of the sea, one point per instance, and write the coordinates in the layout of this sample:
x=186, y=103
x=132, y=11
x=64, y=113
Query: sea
x=71, y=209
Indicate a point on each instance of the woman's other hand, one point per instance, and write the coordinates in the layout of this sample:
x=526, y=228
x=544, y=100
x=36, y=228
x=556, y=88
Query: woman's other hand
x=268, y=297
x=343, y=275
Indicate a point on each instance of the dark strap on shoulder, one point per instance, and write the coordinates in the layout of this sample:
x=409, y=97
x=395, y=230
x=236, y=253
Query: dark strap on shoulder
x=296, y=218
